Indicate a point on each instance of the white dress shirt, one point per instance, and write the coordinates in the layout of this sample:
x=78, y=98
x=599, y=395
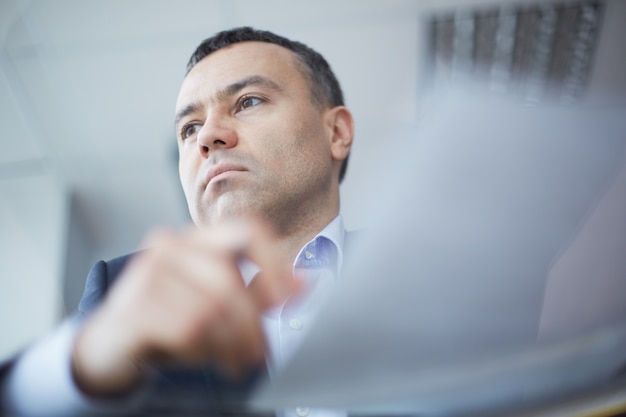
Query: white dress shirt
x=41, y=384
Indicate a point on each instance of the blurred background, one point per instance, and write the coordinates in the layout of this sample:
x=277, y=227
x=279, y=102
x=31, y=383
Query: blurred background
x=88, y=158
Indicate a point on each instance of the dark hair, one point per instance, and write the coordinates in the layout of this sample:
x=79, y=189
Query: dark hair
x=325, y=89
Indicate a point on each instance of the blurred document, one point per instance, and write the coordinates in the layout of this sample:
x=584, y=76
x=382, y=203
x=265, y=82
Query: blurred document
x=493, y=277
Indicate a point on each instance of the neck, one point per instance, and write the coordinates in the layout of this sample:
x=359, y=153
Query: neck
x=297, y=223
x=290, y=243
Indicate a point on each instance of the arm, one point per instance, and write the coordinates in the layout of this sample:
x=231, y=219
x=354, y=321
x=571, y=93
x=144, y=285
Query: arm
x=183, y=302
x=43, y=371
x=91, y=362
x=39, y=381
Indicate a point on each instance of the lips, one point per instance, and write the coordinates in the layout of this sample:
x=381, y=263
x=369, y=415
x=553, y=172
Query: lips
x=218, y=170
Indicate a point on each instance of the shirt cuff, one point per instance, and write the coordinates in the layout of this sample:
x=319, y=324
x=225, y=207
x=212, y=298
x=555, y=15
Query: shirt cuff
x=41, y=383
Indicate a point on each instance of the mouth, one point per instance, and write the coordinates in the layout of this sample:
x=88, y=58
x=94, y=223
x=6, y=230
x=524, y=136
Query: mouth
x=221, y=172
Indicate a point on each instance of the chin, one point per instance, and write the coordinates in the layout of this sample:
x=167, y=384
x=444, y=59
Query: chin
x=224, y=209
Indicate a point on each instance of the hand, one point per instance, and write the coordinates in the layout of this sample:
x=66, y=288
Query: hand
x=183, y=302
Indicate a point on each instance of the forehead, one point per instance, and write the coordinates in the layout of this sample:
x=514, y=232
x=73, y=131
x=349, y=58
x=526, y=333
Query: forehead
x=238, y=61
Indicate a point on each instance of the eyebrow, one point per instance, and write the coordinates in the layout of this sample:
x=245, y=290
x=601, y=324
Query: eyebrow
x=187, y=110
x=228, y=91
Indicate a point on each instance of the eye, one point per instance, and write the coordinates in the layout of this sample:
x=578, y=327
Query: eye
x=250, y=101
x=189, y=129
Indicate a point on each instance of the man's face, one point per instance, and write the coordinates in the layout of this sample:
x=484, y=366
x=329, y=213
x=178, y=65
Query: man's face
x=251, y=140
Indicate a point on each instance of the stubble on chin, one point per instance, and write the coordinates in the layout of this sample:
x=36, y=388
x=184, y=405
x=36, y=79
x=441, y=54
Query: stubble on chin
x=227, y=206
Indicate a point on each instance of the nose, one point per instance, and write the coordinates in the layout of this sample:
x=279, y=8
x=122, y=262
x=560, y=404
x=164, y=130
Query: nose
x=215, y=134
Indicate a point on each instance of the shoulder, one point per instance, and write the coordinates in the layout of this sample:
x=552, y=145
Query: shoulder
x=99, y=280
x=115, y=265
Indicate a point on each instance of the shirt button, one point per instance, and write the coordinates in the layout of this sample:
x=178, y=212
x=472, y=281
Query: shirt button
x=308, y=255
x=295, y=324
x=302, y=411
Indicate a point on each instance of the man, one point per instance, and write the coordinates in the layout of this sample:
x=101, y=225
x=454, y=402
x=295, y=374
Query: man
x=264, y=139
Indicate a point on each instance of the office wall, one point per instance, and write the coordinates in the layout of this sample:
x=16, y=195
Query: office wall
x=33, y=225
x=79, y=255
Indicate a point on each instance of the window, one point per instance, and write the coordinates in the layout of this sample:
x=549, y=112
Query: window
x=541, y=52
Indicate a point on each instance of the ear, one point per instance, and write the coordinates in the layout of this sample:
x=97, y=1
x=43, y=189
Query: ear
x=341, y=127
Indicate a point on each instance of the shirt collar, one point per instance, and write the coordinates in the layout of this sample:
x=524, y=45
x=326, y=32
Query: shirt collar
x=334, y=231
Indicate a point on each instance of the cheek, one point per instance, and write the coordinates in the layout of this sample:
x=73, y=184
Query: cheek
x=291, y=147
x=312, y=149
x=185, y=174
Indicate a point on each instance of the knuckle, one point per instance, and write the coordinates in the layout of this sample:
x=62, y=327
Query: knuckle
x=141, y=277
x=192, y=333
x=195, y=329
